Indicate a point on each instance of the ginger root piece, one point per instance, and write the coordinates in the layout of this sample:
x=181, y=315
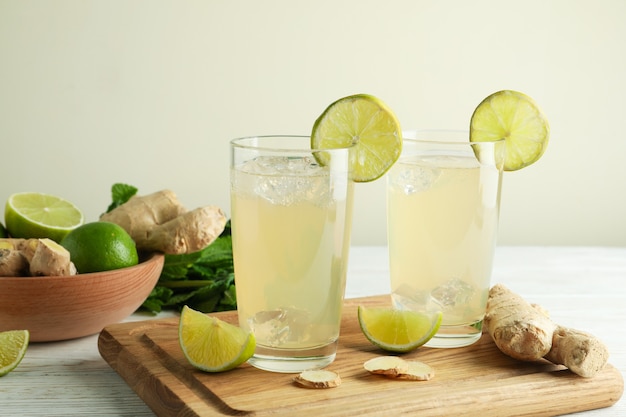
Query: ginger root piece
x=51, y=259
x=520, y=330
x=34, y=257
x=318, y=378
x=159, y=222
x=525, y=332
x=141, y=213
x=579, y=351
x=13, y=244
x=188, y=232
x=14, y=258
x=12, y=263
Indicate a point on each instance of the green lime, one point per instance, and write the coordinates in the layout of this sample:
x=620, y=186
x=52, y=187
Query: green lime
x=13, y=344
x=100, y=246
x=3, y=231
x=37, y=215
x=515, y=117
x=211, y=344
x=397, y=330
x=366, y=121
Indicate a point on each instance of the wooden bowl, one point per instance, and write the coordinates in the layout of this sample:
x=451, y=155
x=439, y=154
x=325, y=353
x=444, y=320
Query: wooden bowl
x=68, y=307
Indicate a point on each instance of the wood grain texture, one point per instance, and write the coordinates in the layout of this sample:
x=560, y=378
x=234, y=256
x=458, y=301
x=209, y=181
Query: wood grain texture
x=475, y=380
x=68, y=307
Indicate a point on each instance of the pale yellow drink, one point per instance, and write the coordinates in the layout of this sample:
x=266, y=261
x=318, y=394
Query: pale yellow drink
x=443, y=214
x=288, y=264
x=291, y=233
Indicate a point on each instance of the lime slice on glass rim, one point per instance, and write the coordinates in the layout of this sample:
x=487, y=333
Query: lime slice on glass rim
x=37, y=215
x=397, y=330
x=516, y=118
x=13, y=344
x=211, y=344
x=366, y=122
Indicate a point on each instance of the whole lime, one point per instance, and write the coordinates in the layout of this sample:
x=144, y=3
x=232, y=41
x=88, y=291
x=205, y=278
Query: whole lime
x=3, y=231
x=100, y=246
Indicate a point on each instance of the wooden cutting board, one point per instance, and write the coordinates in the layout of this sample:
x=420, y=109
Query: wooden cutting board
x=475, y=380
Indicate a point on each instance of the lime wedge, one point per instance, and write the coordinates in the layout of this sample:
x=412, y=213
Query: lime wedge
x=366, y=121
x=37, y=215
x=13, y=344
x=211, y=344
x=398, y=330
x=515, y=117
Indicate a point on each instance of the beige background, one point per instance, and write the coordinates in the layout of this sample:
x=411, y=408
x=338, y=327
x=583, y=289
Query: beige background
x=150, y=92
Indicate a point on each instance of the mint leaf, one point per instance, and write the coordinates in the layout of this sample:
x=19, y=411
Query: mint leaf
x=157, y=299
x=203, y=280
x=120, y=193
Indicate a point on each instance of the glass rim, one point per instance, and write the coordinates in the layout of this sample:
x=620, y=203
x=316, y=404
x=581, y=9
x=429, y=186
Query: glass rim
x=240, y=143
x=444, y=141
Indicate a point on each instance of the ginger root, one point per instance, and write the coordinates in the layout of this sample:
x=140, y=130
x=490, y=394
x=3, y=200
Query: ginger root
x=34, y=257
x=525, y=332
x=12, y=262
x=51, y=259
x=159, y=222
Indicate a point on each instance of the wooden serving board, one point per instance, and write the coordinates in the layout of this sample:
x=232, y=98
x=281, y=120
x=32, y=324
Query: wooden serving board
x=474, y=380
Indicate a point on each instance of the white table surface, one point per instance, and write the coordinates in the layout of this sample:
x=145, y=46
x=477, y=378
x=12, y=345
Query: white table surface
x=581, y=287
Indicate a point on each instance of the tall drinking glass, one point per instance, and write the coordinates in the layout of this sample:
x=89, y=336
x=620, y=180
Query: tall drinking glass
x=291, y=218
x=443, y=202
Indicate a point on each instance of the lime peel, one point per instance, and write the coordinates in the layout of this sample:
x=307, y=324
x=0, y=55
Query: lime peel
x=13, y=345
x=366, y=123
x=100, y=246
x=515, y=117
x=211, y=344
x=38, y=215
x=396, y=330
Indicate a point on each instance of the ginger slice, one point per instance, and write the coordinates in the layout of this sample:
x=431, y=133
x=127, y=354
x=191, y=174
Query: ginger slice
x=387, y=365
x=318, y=378
x=418, y=371
x=395, y=367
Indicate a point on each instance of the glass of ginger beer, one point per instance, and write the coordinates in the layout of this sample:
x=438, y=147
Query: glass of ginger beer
x=443, y=201
x=291, y=219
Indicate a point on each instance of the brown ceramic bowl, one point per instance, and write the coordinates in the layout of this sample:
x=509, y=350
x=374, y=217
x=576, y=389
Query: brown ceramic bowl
x=67, y=307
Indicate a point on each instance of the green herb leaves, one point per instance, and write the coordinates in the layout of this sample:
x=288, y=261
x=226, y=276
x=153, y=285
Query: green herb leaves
x=120, y=193
x=203, y=280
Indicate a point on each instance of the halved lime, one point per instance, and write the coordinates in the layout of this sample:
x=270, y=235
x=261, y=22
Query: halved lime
x=398, y=330
x=13, y=344
x=366, y=121
x=37, y=215
x=211, y=344
x=515, y=117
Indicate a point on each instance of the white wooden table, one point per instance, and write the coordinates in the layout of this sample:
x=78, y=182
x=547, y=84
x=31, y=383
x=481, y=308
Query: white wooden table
x=582, y=287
